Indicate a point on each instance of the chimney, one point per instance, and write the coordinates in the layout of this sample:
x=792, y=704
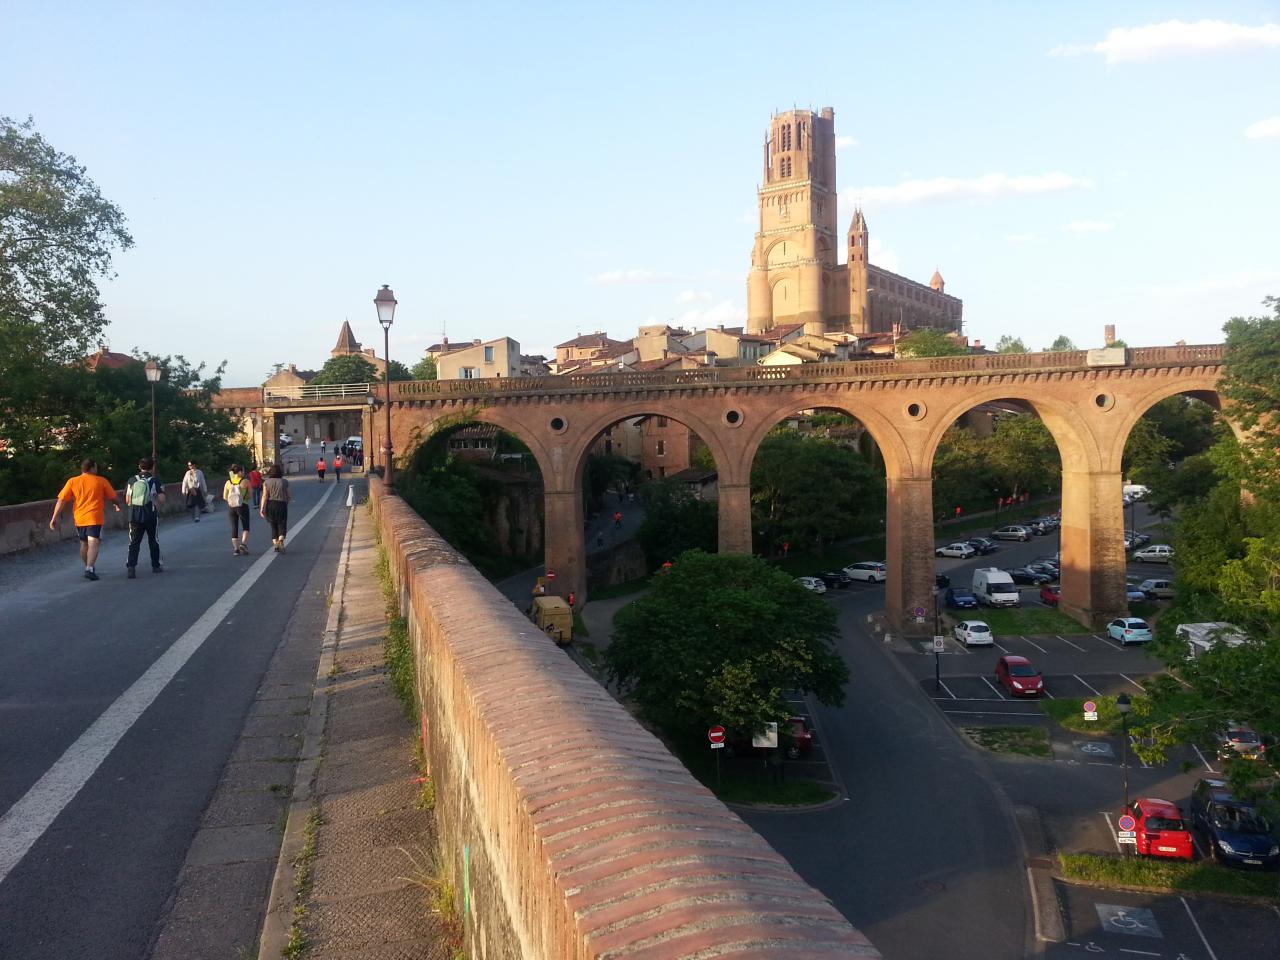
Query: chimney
x=720, y=327
x=977, y=345
x=475, y=342
x=444, y=342
x=1109, y=334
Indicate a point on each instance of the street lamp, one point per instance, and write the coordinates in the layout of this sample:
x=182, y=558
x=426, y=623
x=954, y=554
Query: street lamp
x=385, y=301
x=1123, y=706
x=372, y=403
x=153, y=377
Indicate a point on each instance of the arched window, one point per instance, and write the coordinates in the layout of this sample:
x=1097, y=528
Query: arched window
x=786, y=136
x=800, y=136
x=784, y=168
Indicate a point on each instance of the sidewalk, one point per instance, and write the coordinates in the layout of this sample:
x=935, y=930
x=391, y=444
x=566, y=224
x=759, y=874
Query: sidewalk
x=355, y=867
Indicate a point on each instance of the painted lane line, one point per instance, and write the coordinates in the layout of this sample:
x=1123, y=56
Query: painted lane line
x=994, y=689
x=1070, y=644
x=1141, y=953
x=949, y=693
x=1196, y=923
x=1115, y=837
x=1036, y=645
x=1202, y=759
x=1134, y=682
x=1000, y=648
x=998, y=713
x=26, y=821
x=1045, y=691
x=1091, y=690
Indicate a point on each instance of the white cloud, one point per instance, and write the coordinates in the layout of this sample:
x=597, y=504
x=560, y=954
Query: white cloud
x=693, y=296
x=1173, y=38
x=884, y=257
x=615, y=277
x=725, y=312
x=1263, y=129
x=844, y=142
x=1089, y=226
x=989, y=186
x=1019, y=237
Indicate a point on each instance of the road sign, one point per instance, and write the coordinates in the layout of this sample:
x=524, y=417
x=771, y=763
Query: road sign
x=716, y=735
x=1126, y=823
x=1090, y=707
x=939, y=644
x=918, y=611
x=918, y=619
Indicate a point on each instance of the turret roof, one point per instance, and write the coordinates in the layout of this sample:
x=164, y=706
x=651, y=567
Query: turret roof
x=347, y=342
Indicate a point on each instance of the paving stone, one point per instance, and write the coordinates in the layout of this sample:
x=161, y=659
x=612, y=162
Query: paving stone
x=234, y=844
x=266, y=748
x=258, y=775
x=276, y=725
x=386, y=916
x=233, y=808
x=208, y=891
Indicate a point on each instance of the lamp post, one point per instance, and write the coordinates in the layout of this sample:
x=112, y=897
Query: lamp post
x=153, y=376
x=385, y=301
x=1123, y=706
x=253, y=437
x=372, y=404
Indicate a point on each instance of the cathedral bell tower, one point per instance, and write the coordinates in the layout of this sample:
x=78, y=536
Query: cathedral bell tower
x=859, y=279
x=795, y=249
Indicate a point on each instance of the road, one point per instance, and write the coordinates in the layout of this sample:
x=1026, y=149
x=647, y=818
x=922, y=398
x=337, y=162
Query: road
x=101, y=792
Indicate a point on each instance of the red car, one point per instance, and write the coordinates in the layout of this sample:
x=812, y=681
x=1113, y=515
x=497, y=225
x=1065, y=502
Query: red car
x=1161, y=831
x=1050, y=594
x=1019, y=677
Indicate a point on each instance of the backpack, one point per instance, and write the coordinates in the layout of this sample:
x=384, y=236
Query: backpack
x=234, y=497
x=139, y=493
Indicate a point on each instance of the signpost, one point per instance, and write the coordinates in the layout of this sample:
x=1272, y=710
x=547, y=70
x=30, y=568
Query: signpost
x=1090, y=710
x=716, y=735
x=1126, y=832
x=918, y=614
x=939, y=644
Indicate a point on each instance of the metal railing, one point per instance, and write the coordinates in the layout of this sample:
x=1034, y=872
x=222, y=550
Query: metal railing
x=325, y=391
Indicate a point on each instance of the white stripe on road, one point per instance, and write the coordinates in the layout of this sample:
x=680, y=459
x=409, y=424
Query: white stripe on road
x=993, y=688
x=1195, y=923
x=1095, y=692
x=1115, y=837
x=1141, y=953
x=1070, y=644
x=1202, y=759
x=27, y=820
x=995, y=713
x=949, y=693
x=1034, y=644
x=1135, y=683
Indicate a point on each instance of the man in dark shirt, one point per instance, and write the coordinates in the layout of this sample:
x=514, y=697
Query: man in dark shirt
x=143, y=494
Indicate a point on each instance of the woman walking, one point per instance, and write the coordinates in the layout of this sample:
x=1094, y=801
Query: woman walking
x=237, y=492
x=195, y=490
x=320, y=465
x=275, y=505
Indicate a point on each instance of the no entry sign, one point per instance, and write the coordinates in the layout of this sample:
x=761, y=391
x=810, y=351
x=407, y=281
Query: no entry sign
x=716, y=736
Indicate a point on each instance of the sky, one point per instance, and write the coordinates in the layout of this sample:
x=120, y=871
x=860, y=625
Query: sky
x=539, y=170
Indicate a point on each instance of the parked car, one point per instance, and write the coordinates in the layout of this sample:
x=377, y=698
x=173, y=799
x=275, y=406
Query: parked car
x=1234, y=831
x=1055, y=560
x=1156, y=589
x=1129, y=630
x=1135, y=491
x=1052, y=521
x=872, y=571
x=1139, y=536
x=1133, y=593
x=958, y=598
x=1037, y=528
x=1240, y=740
x=284, y=440
x=983, y=545
x=1160, y=829
x=812, y=583
x=995, y=588
x=974, y=633
x=1029, y=576
x=835, y=579
x=961, y=550
x=1013, y=532
x=1157, y=553
x=795, y=738
x=941, y=580
x=1045, y=569
x=1050, y=595
x=1018, y=676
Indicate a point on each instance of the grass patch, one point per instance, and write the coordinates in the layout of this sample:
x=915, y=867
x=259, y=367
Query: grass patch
x=1022, y=740
x=1145, y=609
x=1030, y=619
x=303, y=863
x=803, y=563
x=1174, y=875
x=1069, y=714
x=579, y=627
x=396, y=648
x=431, y=873
x=624, y=589
x=743, y=779
x=589, y=651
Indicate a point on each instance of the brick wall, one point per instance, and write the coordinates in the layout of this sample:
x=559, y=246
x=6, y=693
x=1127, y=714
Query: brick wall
x=26, y=525
x=571, y=832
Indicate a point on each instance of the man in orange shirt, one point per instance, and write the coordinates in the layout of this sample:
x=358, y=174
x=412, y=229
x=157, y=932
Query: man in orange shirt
x=90, y=493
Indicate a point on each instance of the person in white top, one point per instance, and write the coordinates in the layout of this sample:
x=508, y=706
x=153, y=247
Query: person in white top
x=195, y=490
x=308, y=443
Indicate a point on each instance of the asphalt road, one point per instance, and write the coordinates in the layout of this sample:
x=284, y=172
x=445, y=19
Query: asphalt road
x=89, y=854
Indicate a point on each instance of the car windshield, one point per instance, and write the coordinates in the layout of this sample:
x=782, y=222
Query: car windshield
x=1239, y=819
x=1137, y=625
x=979, y=628
x=1023, y=670
x=1164, y=823
x=1243, y=736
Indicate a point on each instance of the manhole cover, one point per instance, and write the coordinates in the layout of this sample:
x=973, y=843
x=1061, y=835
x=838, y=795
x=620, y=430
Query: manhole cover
x=931, y=886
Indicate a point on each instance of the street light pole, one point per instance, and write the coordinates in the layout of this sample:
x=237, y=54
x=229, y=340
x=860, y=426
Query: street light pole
x=153, y=374
x=1123, y=705
x=385, y=302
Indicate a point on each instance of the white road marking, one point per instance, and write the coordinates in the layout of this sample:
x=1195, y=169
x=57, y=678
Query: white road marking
x=1134, y=682
x=994, y=689
x=1195, y=923
x=1070, y=644
x=27, y=820
x=1036, y=645
x=1202, y=759
x=1114, y=836
x=1045, y=691
x=1095, y=692
x=998, y=647
x=950, y=694
x=995, y=713
x=1144, y=953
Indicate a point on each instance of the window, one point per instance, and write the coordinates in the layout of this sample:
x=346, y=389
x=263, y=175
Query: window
x=786, y=136
x=784, y=167
x=662, y=448
x=662, y=421
x=468, y=373
x=488, y=354
x=800, y=136
x=662, y=472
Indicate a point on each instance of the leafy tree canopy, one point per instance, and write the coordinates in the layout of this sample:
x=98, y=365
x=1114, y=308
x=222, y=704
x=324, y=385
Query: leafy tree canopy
x=399, y=371
x=424, y=369
x=1063, y=344
x=928, y=342
x=1251, y=386
x=675, y=521
x=719, y=639
x=350, y=368
x=1008, y=344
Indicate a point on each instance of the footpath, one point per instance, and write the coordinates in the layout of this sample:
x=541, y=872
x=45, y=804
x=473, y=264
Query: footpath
x=354, y=878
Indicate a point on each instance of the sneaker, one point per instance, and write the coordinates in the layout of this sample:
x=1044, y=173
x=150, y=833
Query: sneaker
x=196, y=519
x=90, y=575
x=132, y=574
x=244, y=548
x=157, y=569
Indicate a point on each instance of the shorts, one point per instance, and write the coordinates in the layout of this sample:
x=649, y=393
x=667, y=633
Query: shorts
x=90, y=533
x=239, y=517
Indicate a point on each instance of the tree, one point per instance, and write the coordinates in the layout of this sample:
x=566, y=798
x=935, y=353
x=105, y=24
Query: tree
x=928, y=342
x=1251, y=385
x=1063, y=344
x=348, y=368
x=718, y=639
x=1008, y=344
x=675, y=521
x=424, y=369
x=1025, y=455
x=399, y=371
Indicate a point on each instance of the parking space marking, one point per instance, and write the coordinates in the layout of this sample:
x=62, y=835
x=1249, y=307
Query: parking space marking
x=1202, y=759
x=996, y=713
x=1134, y=682
x=1045, y=691
x=948, y=689
x=1108, y=641
x=1112, y=830
x=1034, y=644
x=1196, y=923
x=1095, y=692
x=1070, y=644
x=998, y=647
x=994, y=688
x=1143, y=953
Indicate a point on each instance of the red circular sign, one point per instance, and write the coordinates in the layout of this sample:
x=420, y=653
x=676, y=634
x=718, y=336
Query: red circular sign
x=1090, y=707
x=716, y=734
x=1127, y=822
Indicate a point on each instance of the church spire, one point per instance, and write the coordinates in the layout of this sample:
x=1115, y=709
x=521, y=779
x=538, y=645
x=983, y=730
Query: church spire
x=347, y=342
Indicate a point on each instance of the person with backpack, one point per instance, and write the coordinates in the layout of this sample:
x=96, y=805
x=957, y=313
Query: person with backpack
x=275, y=505
x=90, y=493
x=255, y=484
x=237, y=492
x=143, y=494
x=337, y=468
x=320, y=469
x=195, y=490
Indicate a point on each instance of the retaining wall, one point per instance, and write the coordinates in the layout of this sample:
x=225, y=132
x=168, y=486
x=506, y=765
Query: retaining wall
x=570, y=832
x=26, y=525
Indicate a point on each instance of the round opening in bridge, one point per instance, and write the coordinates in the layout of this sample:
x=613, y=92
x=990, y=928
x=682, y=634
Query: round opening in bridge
x=733, y=418
x=558, y=424
x=1104, y=401
x=916, y=410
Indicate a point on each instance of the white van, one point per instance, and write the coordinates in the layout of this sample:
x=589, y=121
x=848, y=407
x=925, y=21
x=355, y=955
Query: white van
x=995, y=587
x=1200, y=637
x=1135, y=491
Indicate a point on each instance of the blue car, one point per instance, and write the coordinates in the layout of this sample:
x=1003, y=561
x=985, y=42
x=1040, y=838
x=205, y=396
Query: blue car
x=1237, y=834
x=957, y=598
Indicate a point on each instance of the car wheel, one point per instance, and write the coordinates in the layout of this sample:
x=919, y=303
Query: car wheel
x=793, y=752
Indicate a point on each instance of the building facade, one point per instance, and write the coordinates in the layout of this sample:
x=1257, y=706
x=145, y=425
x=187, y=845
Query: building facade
x=796, y=276
x=481, y=359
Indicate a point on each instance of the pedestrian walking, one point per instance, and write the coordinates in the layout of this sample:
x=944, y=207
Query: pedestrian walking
x=90, y=493
x=195, y=490
x=143, y=494
x=337, y=469
x=323, y=444
x=599, y=538
x=308, y=443
x=320, y=469
x=275, y=505
x=255, y=484
x=237, y=492
x=617, y=520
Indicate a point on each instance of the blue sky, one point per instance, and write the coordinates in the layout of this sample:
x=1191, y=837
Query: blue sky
x=539, y=169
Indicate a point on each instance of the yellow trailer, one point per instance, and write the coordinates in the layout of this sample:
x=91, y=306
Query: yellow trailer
x=554, y=617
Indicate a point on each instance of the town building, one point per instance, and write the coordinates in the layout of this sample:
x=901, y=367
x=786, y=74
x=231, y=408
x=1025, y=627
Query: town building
x=587, y=350
x=479, y=360
x=349, y=346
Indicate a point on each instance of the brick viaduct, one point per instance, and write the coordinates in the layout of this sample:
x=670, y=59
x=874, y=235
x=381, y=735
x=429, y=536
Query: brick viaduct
x=1089, y=400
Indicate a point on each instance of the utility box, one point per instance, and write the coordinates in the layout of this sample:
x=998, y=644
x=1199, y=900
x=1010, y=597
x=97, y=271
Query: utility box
x=554, y=618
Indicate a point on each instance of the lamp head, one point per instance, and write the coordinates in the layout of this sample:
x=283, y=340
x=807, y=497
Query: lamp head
x=1123, y=704
x=153, y=371
x=385, y=301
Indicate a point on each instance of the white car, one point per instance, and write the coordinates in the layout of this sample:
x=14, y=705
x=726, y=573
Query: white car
x=870, y=570
x=1129, y=630
x=974, y=633
x=962, y=550
x=1156, y=553
x=812, y=583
